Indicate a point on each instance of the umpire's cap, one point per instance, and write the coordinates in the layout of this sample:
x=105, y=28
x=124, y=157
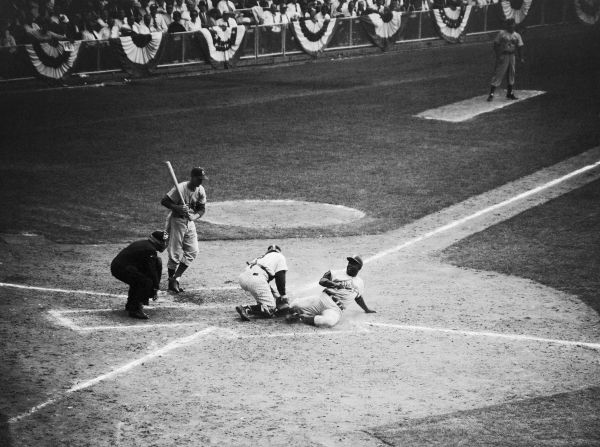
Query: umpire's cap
x=199, y=172
x=355, y=259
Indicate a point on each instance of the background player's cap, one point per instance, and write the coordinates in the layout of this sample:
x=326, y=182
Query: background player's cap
x=199, y=172
x=356, y=259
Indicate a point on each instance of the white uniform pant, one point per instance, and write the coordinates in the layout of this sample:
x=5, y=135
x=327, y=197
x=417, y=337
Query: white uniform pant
x=183, y=242
x=322, y=307
x=255, y=281
x=505, y=66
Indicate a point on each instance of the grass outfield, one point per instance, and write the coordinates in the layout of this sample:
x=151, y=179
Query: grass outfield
x=88, y=165
x=556, y=244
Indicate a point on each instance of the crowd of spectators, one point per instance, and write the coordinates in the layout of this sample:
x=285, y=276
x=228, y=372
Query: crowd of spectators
x=26, y=21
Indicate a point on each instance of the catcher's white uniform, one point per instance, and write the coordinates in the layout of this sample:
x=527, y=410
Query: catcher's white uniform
x=327, y=307
x=259, y=273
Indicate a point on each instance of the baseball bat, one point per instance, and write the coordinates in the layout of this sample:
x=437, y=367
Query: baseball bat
x=175, y=182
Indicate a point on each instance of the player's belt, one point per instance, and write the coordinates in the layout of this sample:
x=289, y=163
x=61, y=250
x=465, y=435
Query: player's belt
x=508, y=52
x=269, y=277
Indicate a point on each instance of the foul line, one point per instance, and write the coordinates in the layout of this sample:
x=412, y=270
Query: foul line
x=480, y=213
x=124, y=368
x=90, y=292
x=489, y=334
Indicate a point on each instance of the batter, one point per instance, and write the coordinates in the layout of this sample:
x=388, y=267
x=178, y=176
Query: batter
x=181, y=226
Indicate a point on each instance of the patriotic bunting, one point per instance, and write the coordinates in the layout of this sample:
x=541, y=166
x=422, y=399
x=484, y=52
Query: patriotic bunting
x=222, y=46
x=516, y=9
x=139, y=53
x=53, y=60
x=314, y=37
x=451, y=22
x=588, y=11
x=382, y=28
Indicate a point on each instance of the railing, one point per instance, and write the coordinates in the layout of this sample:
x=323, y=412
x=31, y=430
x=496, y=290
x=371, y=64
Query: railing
x=262, y=42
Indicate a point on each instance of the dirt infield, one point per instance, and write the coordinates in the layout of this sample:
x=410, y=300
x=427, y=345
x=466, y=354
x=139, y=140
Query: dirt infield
x=444, y=340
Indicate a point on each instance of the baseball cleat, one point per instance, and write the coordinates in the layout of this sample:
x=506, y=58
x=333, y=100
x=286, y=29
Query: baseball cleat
x=490, y=97
x=511, y=96
x=139, y=314
x=174, y=285
x=243, y=313
x=293, y=317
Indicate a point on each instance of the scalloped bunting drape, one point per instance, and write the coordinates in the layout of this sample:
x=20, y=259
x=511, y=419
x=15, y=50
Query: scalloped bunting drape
x=382, y=28
x=53, y=61
x=588, y=11
x=451, y=22
x=515, y=11
x=314, y=37
x=139, y=53
x=222, y=47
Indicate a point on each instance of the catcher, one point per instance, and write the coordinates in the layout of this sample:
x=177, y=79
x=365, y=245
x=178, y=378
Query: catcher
x=139, y=266
x=256, y=280
x=341, y=287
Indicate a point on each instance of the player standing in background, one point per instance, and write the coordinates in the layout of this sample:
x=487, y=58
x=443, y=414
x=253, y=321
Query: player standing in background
x=139, y=266
x=341, y=287
x=256, y=280
x=181, y=227
x=506, y=44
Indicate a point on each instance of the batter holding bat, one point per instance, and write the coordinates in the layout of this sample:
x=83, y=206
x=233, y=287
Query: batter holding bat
x=187, y=203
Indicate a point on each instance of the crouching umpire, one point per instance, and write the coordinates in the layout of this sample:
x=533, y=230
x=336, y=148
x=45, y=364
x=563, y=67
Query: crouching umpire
x=139, y=265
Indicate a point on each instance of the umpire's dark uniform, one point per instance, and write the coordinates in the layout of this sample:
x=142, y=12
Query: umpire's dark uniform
x=139, y=265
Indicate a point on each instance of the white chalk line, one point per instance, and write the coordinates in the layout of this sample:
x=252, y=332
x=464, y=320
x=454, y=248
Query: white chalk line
x=480, y=213
x=121, y=369
x=521, y=337
x=90, y=292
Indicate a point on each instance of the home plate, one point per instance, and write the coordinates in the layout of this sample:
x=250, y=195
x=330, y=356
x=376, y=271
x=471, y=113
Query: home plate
x=470, y=108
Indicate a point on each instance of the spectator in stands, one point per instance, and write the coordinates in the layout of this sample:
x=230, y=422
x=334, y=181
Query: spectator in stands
x=87, y=32
x=182, y=8
x=146, y=25
x=226, y=6
x=194, y=24
x=168, y=14
x=227, y=20
x=8, y=40
x=43, y=34
x=158, y=21
x=294, y=10
x=203, y=14
x=361, y=7
x=113, y=28
x=176, y=26
x=213, y=16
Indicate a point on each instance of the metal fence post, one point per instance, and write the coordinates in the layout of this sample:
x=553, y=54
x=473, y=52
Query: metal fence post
x=420, y=15
x=183, y=37
x=485, y=11
x=351, y=29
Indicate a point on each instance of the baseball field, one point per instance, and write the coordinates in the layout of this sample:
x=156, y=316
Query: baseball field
x=480, y=240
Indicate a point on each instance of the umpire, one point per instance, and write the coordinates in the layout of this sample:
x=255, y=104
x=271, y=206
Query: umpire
x=139, y=265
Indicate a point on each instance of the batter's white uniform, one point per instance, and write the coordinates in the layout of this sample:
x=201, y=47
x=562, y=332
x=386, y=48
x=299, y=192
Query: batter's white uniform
x=327, y=307
x=183, y=239
x=257, y=275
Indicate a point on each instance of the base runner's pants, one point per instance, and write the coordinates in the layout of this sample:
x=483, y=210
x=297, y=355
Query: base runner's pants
x=505, y=66
x=183, y=242
x=322, y=307
x=141, y=286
